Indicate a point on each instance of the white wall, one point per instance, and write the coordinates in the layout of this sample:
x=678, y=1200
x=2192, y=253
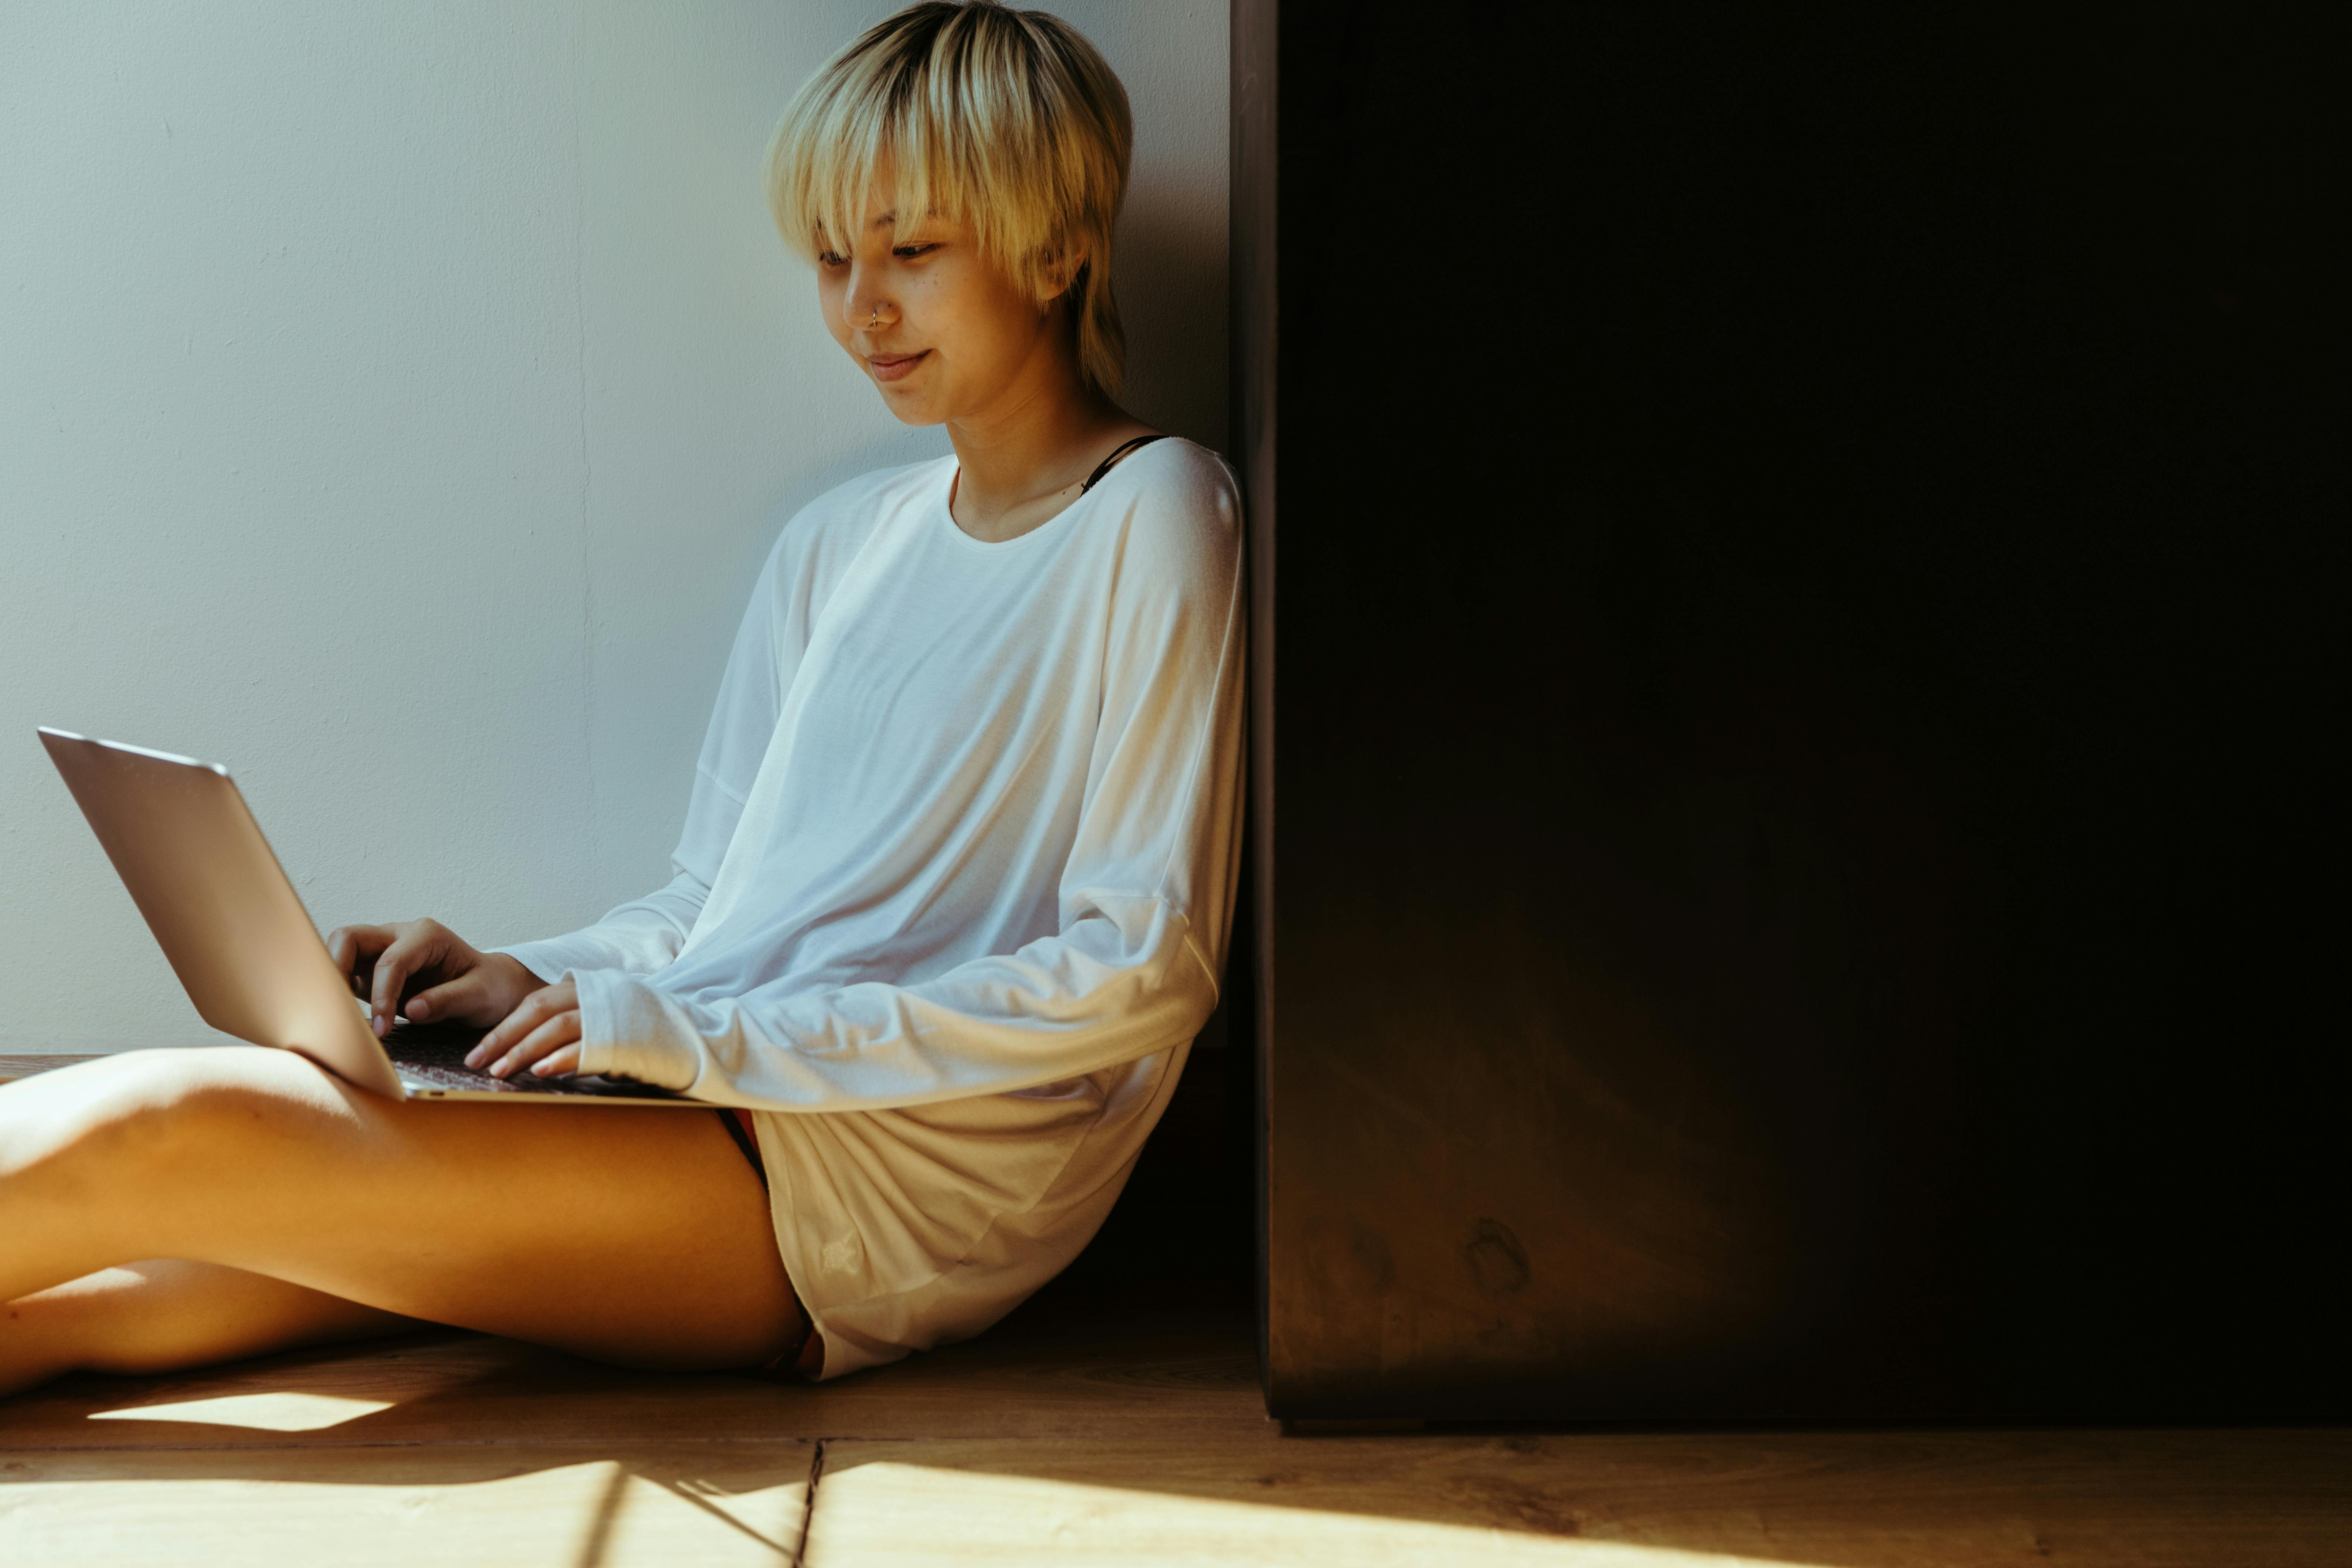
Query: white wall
x=395, y=401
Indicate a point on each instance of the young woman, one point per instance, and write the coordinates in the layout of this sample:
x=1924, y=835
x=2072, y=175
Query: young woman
x=952, y=897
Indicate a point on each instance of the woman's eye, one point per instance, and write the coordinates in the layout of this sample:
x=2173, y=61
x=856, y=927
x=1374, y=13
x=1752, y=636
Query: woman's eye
x=908, y=252
x=829, y=259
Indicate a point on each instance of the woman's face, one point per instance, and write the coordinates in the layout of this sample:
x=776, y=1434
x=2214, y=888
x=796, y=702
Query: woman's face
x=941, y=333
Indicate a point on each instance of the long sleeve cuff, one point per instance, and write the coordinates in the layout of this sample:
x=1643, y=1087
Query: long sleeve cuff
x=626, y=1031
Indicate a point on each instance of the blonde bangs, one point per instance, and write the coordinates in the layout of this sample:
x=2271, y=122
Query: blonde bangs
x=1006, y=120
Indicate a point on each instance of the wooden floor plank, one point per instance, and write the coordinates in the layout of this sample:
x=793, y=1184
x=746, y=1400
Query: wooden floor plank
x=898, y=1513
x=1846, y=1499
x=440, y=1387
x=1188, y=1380
x=705, y=1504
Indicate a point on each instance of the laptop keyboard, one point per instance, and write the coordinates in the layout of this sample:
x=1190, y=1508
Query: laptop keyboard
x=433, y=1056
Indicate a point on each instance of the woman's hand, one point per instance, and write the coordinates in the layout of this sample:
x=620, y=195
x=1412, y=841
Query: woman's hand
x=543, y=1034
x=424, y=970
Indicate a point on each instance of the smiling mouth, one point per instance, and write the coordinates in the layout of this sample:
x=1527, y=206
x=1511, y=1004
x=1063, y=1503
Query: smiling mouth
x=893, y=367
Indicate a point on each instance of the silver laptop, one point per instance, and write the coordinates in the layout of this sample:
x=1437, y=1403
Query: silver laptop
x=199, y=869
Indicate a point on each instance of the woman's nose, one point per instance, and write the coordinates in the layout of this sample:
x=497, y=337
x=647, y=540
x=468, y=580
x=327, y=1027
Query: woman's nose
x=864, y=307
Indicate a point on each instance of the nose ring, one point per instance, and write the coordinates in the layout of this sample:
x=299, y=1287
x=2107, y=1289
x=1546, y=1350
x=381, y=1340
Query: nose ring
x=876, y=319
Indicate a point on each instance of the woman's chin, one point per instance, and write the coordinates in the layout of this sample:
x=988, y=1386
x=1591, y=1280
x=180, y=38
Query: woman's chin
x=911, y=407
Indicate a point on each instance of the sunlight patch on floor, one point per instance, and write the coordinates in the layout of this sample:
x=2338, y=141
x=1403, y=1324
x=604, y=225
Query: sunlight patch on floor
x=890, y=1515
x=284, y=1411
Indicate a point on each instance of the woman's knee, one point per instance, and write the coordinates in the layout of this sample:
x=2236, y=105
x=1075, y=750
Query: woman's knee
x=149, y=1116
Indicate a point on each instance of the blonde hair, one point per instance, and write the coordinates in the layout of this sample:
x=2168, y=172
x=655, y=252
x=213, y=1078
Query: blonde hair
x=1007, y=120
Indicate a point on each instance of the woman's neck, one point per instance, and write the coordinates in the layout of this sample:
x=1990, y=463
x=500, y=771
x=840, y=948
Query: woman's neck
x=1022, y=461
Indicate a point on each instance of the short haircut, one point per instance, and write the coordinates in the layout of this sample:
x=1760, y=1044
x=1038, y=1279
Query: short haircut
x=1007, y=120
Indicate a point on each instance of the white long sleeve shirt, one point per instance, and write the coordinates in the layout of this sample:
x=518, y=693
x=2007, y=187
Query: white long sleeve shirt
x=953, y=892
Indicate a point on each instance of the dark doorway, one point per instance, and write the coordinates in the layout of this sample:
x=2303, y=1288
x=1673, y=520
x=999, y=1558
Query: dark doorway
x=1800, y=576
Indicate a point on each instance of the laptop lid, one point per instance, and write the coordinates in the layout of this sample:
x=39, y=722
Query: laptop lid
x=235, y=930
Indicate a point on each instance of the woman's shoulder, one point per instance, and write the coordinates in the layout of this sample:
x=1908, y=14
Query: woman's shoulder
x=1177, y=490
x=1179, y=521
x=1180, y=471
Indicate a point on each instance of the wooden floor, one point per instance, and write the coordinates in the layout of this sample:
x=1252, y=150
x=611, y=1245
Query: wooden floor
x=1098, y=1424
x=1138, y=1445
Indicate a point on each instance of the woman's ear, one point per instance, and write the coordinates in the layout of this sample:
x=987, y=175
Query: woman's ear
x=1062, y=270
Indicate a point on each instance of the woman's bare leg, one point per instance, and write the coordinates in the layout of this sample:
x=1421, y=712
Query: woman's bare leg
x=168, y=1313
x=633, y=1235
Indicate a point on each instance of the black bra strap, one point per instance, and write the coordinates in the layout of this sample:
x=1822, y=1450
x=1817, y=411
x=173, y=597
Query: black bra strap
x=1123, y=450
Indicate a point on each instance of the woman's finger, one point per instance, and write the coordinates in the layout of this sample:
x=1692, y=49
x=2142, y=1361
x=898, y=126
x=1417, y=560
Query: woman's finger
x=564, y=1063
x=411, y=952
x=561, y=1030
x=456, y=999
x=391, y=966
x=353, y=949
x=508, y=1029
x=532, y=1012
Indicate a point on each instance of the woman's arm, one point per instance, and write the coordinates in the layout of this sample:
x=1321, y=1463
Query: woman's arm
x=1145, y=895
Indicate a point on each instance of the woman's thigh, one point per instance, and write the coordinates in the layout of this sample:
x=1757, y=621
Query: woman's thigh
x=637, y=1234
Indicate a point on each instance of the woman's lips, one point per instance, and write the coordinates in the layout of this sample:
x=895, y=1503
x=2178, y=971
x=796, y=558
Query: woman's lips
x=891, y=367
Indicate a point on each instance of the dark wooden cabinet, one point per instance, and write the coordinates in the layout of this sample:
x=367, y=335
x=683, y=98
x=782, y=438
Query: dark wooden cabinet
x=1799, y=567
